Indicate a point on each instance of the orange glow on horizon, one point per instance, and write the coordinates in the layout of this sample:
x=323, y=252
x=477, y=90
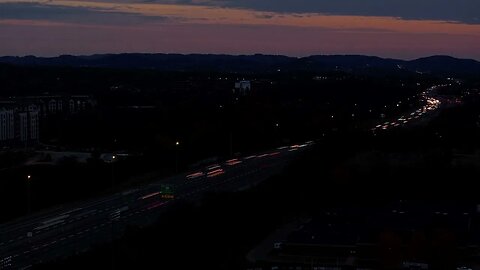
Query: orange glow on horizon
x=207, y=29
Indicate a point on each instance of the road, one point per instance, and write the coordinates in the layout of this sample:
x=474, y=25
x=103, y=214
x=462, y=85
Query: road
x=72, y=229
x=431, y=103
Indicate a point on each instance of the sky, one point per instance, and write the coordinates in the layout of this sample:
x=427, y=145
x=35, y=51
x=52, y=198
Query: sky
x=404, y=29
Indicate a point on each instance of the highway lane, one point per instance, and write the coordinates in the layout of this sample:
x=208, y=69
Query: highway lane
x=68, y=230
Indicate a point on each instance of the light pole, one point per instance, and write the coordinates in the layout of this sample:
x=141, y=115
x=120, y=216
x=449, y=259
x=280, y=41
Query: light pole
x=29, y=179
x=112, y=228
x=177, y=144
x=277, y=133
x=113, y=172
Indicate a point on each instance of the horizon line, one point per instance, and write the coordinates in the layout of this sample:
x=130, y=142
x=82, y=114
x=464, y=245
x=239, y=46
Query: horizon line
x=238, y=55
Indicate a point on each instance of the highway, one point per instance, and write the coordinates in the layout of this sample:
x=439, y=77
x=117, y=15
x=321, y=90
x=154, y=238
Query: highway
x=68, y=230
x=432, y=103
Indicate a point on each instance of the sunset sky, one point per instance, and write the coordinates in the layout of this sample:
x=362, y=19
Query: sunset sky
x=404, y=29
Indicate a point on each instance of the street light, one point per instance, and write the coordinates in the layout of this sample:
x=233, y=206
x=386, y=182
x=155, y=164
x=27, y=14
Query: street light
x=113, y=174
x=29, y=178
x=177, y=143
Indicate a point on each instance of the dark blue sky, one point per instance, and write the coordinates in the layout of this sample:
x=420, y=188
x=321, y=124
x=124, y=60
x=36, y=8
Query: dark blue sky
x=467, y=11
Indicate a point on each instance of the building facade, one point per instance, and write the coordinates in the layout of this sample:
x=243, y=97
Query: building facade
x=7, y=125
x=21, y=117
x=57, y=104
x=242, y=87
x=19, y=125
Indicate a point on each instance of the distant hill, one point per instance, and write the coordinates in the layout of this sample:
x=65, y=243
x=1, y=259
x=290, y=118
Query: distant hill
x=445, y=64
x=252, y=63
